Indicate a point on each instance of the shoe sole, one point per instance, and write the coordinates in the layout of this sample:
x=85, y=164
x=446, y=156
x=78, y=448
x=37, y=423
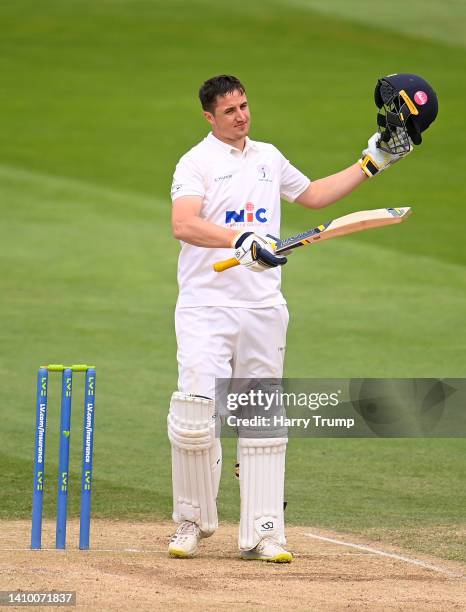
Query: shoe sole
x=178, y=553
x=281, y=558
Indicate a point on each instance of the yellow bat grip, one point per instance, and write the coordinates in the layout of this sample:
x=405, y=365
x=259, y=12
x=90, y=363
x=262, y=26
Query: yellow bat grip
x=221, y=266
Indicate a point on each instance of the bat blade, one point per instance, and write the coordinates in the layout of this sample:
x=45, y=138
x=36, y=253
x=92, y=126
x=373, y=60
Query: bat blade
x=348, y=224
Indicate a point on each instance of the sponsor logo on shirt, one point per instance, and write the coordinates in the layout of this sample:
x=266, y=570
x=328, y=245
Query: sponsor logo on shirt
x=223, y=178
x=246, y=215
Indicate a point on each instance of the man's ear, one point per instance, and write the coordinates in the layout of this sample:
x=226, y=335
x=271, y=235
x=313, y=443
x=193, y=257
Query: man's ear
x=209, y=117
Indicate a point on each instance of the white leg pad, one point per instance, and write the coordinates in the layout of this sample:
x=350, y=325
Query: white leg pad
x=196, y=461
x=262, y=483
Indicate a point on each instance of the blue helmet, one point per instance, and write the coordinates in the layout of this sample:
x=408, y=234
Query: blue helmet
x=408, y=106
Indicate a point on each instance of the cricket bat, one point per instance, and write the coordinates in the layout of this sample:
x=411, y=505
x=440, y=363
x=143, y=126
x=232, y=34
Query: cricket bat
x=348, y=224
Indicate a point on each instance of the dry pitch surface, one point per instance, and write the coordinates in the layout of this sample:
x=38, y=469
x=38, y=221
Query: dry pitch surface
x=128, y=568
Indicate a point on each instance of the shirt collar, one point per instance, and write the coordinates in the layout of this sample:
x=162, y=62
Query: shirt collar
x=250, y=144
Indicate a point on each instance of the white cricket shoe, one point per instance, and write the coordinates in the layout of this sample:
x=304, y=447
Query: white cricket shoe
x=268, y=549
x=185, y=540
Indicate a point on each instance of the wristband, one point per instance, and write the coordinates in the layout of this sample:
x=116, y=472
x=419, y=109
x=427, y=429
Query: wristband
x=368, y=166
x=239, y=238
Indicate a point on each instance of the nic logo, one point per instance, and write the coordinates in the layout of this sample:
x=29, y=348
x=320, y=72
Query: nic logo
x=246, y=215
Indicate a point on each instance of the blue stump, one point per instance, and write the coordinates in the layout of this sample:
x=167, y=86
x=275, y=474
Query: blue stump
x=88, y=451
x=39, y=458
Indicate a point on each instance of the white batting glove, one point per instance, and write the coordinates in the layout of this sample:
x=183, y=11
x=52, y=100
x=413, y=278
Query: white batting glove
x=256, y=252
x=374, y=160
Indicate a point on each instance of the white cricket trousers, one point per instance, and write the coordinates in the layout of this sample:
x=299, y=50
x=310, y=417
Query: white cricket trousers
x=218, y=342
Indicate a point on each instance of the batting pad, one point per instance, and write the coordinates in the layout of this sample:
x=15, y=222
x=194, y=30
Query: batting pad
x=262, y=481
x=196, y=461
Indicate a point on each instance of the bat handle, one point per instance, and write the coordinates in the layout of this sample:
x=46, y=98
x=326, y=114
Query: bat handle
x=221, y=266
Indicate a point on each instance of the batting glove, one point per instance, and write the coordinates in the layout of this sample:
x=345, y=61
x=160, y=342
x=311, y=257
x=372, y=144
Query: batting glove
x=374, y=160
x=256, y=252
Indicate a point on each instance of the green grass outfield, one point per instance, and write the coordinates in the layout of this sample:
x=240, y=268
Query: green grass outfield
x=98, y=101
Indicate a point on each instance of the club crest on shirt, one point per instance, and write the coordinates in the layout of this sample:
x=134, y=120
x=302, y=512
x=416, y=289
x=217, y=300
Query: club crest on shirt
x=265, y=173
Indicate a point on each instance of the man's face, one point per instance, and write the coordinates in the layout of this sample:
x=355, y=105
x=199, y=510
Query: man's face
x=231, y=119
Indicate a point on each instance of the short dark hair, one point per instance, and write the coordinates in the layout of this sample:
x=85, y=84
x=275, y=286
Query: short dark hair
x=218, y=86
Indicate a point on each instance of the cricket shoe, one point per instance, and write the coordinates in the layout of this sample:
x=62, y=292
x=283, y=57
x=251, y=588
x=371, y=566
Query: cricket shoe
x=185, y=540
x=268, y=549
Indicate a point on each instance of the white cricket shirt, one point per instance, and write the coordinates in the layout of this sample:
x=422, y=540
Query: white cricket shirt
x=241, y=190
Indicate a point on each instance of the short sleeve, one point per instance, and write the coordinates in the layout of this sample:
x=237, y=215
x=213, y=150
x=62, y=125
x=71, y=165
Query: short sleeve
x=187, y=179
x=292, y=181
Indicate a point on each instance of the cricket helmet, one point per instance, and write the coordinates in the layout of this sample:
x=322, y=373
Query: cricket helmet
x=408, y=105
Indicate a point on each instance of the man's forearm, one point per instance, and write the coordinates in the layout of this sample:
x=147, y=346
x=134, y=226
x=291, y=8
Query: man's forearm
x=325, y=191
x=200, y=232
